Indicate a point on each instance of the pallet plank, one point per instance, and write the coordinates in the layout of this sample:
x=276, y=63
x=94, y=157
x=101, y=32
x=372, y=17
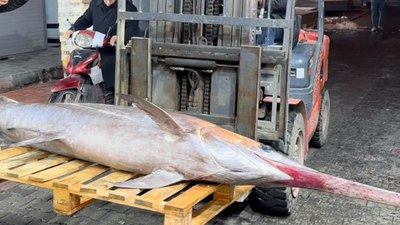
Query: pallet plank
x=207, y=212
x=36, y=166
x=73, y=181
x=106, y=182
x=11, y=152
x=58, y=171
x=183, y=203
x=66, y=203
x=223, y=197
x=124, y=194
x=155, y=198
x=22, y=159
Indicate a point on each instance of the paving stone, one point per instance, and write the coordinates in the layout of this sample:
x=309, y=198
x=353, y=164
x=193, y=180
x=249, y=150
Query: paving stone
x=13, y=218
x=6, y=185
x=93, y=213
x=22, y=191
x=58, y=220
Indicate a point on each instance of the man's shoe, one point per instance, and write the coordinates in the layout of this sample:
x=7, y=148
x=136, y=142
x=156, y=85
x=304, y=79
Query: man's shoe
x=108, y=93
x=109, y=96
x=380, y=28
x=373, y=29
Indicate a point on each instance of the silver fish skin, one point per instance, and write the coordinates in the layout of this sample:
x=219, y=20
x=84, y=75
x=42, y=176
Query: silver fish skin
x=166, y=148
x=127, y=138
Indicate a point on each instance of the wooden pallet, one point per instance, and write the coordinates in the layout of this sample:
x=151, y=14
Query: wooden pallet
x=76, y=184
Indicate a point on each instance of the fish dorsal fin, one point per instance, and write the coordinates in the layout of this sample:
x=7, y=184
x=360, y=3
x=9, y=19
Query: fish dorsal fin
x=162, y=118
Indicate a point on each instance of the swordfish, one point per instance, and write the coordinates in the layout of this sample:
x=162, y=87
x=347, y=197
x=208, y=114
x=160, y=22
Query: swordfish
x=165, y=147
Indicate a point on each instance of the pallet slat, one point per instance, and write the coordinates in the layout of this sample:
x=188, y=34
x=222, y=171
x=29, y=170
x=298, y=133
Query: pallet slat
x=106, y=182
x=186, y=200
x=207, y=212
x=73, y=181
x=123, y=194
x=11, y=152
x=58, y=171
x=22, y=159
x=155, y=198
x=36, y=166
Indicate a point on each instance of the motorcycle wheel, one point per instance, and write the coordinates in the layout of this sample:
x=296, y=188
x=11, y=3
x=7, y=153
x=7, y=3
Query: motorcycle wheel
x=67, y=96
x=11, y=5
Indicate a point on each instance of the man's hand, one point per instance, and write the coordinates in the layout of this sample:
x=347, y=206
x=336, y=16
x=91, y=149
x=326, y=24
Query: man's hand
x=113, y=40
x=67, y=34
x=3, y=2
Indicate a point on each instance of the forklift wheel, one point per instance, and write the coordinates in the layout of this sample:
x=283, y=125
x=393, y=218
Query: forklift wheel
x=280, y=201
x=321, y=132
x=11, y=5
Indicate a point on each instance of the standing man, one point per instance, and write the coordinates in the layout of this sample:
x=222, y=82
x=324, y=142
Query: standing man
x=102, y=15
x=377, y=14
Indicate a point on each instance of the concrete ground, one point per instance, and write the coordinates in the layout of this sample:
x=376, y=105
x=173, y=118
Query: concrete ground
x=364, y=145
x=17, y=71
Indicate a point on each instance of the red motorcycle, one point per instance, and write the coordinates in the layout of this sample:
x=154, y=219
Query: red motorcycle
x=83, y=79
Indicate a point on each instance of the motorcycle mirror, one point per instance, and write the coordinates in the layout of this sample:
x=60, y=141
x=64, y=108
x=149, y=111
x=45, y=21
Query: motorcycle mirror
x=110, y=28
x=108, y=31
x=71, y=24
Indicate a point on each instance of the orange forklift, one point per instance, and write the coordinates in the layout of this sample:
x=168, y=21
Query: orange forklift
x=216, y=60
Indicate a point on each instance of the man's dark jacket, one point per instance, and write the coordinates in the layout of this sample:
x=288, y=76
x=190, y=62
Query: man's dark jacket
x=102, y=18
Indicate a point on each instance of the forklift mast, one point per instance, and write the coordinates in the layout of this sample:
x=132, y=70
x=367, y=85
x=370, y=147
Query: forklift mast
x=204, y=58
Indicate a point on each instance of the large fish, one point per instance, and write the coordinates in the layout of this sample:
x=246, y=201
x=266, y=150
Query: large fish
x=166, y=148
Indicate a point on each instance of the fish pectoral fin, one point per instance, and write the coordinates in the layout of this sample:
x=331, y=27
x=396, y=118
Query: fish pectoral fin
x=41, y=137
x=157, y=179
x=4, y=143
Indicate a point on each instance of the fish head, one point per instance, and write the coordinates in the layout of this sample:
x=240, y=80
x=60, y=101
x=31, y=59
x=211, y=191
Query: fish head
x=235, y=158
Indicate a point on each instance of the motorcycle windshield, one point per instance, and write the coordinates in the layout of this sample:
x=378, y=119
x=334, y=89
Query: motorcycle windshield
x=78, y=56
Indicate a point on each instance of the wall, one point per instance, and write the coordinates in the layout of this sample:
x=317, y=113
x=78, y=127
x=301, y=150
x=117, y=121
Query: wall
x=23, y=30
x=71, y=10
x=52, y=20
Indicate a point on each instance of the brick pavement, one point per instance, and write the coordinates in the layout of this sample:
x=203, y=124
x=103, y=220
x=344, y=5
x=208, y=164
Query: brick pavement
x=364, y=145
x=38, y=93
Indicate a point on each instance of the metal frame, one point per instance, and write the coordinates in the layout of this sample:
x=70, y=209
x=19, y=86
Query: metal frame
x=240, y=47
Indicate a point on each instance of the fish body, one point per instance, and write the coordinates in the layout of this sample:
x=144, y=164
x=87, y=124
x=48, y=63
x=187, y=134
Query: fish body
x=127, y=138
x=165, y=147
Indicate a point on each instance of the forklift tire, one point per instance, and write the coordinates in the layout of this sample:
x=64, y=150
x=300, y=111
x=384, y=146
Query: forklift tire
x=280, y=201
x=321, y=132
x=11, y=5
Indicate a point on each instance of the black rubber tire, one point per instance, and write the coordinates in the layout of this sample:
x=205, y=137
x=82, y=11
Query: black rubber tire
x=67, y=96
x=321, y=133
x=11, y=5
x=280, y=201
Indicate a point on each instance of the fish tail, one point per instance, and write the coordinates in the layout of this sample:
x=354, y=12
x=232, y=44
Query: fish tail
x=310, y=179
